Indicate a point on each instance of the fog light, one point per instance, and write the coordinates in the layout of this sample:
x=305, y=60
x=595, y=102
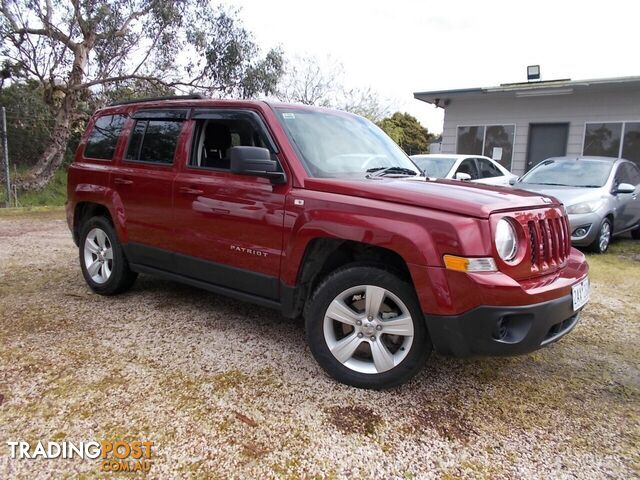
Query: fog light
x=500, y=330
x=580, y=232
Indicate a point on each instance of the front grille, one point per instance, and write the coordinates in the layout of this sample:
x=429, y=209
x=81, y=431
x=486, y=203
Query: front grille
x=549, y=240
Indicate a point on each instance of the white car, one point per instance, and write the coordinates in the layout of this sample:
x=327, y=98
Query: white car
x=475, y=168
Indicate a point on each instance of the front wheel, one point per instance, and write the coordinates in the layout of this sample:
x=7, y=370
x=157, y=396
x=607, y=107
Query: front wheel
x=602, y=241
x=104, y=266
x=366, y=329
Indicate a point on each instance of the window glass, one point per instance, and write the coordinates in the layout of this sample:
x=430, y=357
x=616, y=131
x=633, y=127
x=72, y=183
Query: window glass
x=602, y=139
x=154, y=141
x=468, y=166
x=623, y=175
x=634, y=173
x=214, y=138
x=337, y=145
x=500, y=136
x=488, y=169
x=436, y=167
x=470, y=140
x=103, y=138
x=631, y=143
x=571, y=173
x=133, y=152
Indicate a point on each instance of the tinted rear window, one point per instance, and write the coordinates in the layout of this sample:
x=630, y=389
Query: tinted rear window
x=154, y=141
x=103, y=138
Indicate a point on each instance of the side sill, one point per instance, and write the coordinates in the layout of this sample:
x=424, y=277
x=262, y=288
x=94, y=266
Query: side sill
x=245, y=297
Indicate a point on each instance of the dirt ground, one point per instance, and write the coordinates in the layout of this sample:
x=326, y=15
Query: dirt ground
x=230, y=390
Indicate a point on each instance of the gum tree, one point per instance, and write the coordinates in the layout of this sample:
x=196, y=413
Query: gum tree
x=76, y=49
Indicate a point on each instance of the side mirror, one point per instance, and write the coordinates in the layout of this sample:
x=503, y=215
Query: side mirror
x=463, y=176
x=513, y=180
x=255, y=161
x=625, y=188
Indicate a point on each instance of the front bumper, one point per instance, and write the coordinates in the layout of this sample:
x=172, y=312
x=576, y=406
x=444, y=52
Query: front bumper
x=489, y=330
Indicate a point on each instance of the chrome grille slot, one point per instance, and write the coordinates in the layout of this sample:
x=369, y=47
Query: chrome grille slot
x=549, y=241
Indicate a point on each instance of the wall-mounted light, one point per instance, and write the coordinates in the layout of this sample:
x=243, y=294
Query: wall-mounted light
x=533, y=72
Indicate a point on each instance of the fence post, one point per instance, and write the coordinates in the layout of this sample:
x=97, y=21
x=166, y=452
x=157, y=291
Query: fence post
x=5, y=154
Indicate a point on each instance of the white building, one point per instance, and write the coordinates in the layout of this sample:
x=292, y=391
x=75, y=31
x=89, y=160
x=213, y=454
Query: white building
x=521, y=124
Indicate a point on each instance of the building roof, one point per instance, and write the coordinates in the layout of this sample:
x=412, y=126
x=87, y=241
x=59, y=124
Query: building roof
x=536, y=88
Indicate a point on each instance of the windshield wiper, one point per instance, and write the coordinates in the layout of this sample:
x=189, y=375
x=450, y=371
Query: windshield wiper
x=553, y=184
x=380, y=171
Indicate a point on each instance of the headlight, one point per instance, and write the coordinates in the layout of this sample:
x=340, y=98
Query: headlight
x=585, y=207
x=506, y=240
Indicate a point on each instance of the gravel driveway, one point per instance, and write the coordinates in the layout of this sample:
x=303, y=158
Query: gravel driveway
x=229, y=390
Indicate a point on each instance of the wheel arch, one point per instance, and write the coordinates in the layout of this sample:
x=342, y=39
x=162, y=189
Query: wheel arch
x=85, y=210
x=324, y=255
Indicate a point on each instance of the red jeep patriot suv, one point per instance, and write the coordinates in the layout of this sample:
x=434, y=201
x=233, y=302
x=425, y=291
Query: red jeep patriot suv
x=318, y=213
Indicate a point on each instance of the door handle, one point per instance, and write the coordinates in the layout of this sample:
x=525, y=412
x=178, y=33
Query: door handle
x=122, y=181
x=190, y=191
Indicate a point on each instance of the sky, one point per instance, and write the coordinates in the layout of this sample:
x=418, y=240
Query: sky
x=397, y=47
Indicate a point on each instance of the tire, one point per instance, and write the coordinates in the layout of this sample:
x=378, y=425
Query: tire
x=370, y=356
x=635, y=234
x=102, y=260
x=603, y=240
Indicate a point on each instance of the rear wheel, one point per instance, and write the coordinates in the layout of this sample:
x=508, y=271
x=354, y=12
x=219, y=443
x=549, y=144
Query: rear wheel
x=104, y=266
x=365, y=328
x=602, y=241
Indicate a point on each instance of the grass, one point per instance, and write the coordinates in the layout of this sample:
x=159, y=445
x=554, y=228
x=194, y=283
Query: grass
x=71, y=368
x=53, y=195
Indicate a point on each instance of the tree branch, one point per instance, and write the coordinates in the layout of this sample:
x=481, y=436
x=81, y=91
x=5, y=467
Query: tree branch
x=48, y=29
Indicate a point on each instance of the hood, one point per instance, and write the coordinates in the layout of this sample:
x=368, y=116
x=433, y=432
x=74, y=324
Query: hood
x=566, y=195
x=471, y=199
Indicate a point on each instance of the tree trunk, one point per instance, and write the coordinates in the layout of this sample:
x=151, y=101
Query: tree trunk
x=51, y=159
x=44, y=169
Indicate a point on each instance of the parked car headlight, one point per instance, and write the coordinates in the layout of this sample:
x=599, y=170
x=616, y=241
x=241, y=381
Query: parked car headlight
x=506, y=240
x=585, y=207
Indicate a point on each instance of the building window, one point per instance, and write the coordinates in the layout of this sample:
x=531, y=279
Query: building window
x=613, y=139
x=602, y=139
x=631, y=143
x=501, y=137
x=103, y=138
x=487, y=140
x=470, y=140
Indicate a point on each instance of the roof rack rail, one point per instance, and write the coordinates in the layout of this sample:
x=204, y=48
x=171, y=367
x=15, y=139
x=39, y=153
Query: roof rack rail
x=195, y=96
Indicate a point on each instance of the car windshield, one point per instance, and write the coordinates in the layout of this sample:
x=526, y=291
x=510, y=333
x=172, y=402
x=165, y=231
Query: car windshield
x=340, y=145
x=437, y=167
x=571, y=173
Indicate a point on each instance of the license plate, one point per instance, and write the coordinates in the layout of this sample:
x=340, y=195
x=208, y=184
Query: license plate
x=580, y=294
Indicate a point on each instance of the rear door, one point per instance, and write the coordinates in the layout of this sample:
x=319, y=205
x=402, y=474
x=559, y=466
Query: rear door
x=143, y=180
x=228, y=226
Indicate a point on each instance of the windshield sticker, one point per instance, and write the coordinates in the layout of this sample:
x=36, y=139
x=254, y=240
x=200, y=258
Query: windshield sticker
x=288, y=115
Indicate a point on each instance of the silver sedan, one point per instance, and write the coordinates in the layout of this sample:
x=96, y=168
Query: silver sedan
x=601, y=195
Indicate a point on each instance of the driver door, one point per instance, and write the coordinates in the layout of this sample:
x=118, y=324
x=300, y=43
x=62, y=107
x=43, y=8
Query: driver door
x=228, y=226
x=469, y=167
x=628, y=203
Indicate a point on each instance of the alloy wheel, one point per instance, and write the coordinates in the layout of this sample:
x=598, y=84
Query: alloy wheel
x=368, y=329
x=605, y=236
x=98, y=255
